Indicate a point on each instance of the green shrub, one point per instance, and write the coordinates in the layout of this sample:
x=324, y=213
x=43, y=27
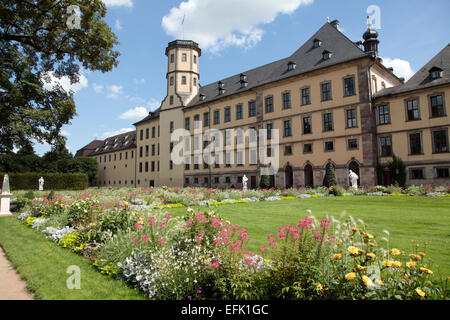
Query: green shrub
x=53, y=181
x=330, y=176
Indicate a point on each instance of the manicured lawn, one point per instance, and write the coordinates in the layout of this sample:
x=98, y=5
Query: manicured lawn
x=44, y=266
x=424, y=220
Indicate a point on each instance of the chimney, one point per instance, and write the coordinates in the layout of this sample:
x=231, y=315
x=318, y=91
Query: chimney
x=335, y=23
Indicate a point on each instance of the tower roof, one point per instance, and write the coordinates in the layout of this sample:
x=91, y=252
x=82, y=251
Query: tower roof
x=189, y=44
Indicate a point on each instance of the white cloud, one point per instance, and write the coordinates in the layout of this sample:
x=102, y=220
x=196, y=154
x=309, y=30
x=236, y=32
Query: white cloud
x=115, y=92
x=219, y=24
x=137, y=113
x=50, y=81
x=402, y=68
x=153, y=104
x=118, y=25
x=119, y=3
x=98, y=88
x=65, y=133
x=113, y=133
x=139, y=81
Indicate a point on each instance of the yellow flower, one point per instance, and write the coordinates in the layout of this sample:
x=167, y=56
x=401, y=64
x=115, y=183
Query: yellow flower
x=388, y=263
x=426, y=270
x=368, y=235
x=350, y=276
x=372, y=244
x=337, y=256
x=361, y=268
x=405, y=277
x=411, y=264
x=367, y=281
x=380, y=282
x=415, y=257
x=395, y=252
x=354, y=229
x=319, y=287
x=422, y=254
x=397, y=264
x=371, y=255
x=354, y=251
x=420, y=292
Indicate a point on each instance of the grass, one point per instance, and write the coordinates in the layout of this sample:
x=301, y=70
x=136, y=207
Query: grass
x=44, y=265
x=424, y=220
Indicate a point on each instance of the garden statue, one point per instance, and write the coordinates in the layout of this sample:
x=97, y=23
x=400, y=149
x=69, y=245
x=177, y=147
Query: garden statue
x=244, y=182
x=354, y=179
x=41, y=184
x=5, y=197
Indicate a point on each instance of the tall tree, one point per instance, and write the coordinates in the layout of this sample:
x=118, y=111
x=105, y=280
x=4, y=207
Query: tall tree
x=40, y=41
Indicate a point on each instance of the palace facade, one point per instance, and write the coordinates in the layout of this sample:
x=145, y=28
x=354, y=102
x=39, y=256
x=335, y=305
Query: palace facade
x=331, y=100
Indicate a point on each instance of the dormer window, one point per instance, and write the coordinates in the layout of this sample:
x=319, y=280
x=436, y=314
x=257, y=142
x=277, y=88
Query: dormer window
x=220, y=85
x=244, y=84
x=202, y=97
x=291, y=65
x=221, y=91
x=243, y=77
x=317, y=43
x=435, y=73
x=326, y=55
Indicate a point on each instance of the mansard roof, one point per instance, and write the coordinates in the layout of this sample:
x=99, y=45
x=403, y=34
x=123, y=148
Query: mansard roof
x=421, y=79
x=307, y=58
x=117, y=143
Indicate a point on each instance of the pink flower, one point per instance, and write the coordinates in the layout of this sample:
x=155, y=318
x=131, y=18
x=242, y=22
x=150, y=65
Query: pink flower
x=213, y=264
x=262, y=248
x=152, y=221
x=134, y=240
x=161, y=241
x=168, y=216
x=249, y=261
x=145, y=238
x=138, y=226
x=218, y=241
x=270, y=236
x=281, y=236
x=325, y=224
x=189, y=221
x=234, y=247
x=198, y=239
x=202, y=233
x=273, y=243
x=162, y=225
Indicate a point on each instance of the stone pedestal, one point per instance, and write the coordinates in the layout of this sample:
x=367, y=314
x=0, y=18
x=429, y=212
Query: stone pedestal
x=5, y=201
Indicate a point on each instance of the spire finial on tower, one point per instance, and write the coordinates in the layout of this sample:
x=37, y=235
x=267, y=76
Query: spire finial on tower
x=369, y=22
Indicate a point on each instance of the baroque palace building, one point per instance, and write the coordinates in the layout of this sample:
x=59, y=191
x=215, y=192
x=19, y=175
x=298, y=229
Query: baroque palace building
x=331, y=100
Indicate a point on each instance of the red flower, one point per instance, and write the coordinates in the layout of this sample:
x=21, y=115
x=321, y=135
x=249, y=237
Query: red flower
x=161, y=241
x=145, y=238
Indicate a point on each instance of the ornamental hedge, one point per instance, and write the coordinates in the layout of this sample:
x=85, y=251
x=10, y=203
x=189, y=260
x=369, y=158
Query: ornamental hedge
x=52, y=181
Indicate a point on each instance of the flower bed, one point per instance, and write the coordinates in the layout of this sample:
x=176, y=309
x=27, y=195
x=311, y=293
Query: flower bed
x=201, y=256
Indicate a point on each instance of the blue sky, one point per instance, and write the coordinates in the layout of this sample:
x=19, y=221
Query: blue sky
x=235, y=36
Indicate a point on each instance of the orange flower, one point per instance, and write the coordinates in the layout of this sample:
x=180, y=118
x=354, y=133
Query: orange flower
x=337, y=256
x=420, y=292
x=395, y=252
x=397, y=264
x=411, y=264
x=371, y=255
x=350, y=276
x=388, y=263
x=415, y=257
x=425, y=270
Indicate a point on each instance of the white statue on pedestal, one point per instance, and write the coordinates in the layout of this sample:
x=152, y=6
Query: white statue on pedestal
x=354, y=179
x=5, y=197
x=41, y=184
x=244, y=182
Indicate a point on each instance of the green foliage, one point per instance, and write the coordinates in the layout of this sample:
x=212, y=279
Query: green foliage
x=330, y=176
x=38, y=44
x=53, y=181
x=266, y=182
x=398, y=171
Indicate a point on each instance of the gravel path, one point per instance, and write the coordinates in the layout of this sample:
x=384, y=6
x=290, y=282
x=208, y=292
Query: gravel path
x=12, y=287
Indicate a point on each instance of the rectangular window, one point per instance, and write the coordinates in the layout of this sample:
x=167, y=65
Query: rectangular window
x=239, y=112
x=412, y=110
x=306, y=96
x=328, y=122
x=253, y=156
x=386, y=146
x=384, y=116
x=183, y=57
x=349, y=86
x=141, y=151
x=252, y=109
x=307, y=129
x=352, y=144
x=147, y=133
x=153, y=132
x=440, y=141
x=287, y=128
x=227, y=114
x=240, y=158
x=325, y=89
x=172, y=58
x=269, y=128
x=216, y=116
x=146, y=166
x=227, y=159
x=416, y=174
x=195, y=59
x=170, y=165
x=196, y=121
x=171, y=126
x=171, y=100
x=437, y=106
x=415, y=143
x=442, y=172
x=183, y=80
x=171, y=81
x=286, y=100
x=269, y=104
x=141, y=134
x=288, y=150
x=140, y=166
x=153, y=149
x=228, y=137
x=206, y=119
x=153, y=166
x=351, y=118
x=146, y=151
x=187, y=123
x=329, y=146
